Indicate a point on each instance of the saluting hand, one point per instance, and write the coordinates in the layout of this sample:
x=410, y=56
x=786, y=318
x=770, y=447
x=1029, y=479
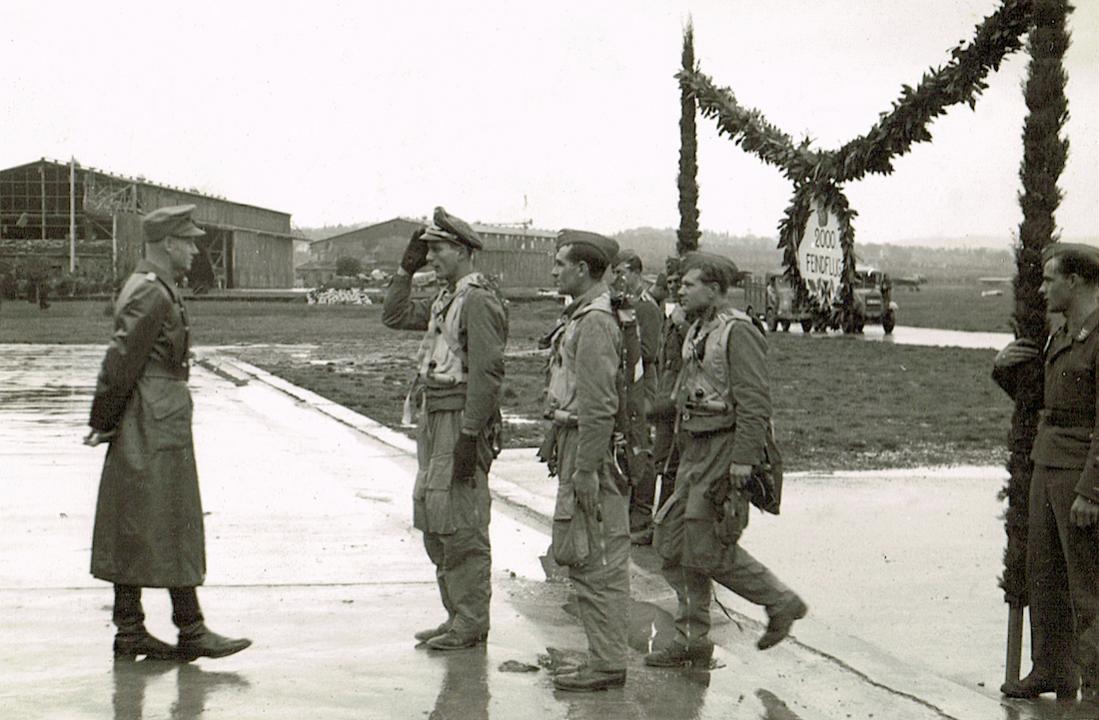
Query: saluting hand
x=1084, y=512
x=1017, y=351
x=585, y=484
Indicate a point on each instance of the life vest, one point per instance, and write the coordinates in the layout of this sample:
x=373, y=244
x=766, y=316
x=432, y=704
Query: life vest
x=442, y=358
x=561, y=391
x=702, y=395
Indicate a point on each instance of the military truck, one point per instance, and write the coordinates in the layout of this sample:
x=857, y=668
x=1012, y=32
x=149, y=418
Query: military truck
x=773, y=300
x=873, y=301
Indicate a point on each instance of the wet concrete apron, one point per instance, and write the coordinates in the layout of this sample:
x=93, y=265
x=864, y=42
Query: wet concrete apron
x=312, y=555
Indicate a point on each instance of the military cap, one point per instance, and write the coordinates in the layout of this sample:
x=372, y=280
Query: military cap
x=724, y=265
x=453, y=229
x=603, y=245
x=628, y=255
x=174, y=221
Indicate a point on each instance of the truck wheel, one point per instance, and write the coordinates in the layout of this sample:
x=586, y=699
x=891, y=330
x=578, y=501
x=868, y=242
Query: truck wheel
x=807, y=325
x=771, y=319
x=785, y=326
x=888, y=322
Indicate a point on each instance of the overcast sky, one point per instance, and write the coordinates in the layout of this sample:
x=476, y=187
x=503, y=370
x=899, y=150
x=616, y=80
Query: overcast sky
x=561, y=112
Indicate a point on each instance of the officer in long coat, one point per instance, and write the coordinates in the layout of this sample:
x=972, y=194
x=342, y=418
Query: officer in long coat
x=460, y=370
x=591, y=508
x=148, y=520
x=724, y=408
x=1062, y=557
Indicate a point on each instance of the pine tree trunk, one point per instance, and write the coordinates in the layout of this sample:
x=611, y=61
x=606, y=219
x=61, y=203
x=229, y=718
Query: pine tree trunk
x=688, y=234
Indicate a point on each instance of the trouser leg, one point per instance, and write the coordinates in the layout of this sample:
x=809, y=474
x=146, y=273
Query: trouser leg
x=666, y=459
x=128, y=615
x=693, y=592
x=1081, y=552
x=750, y=579
x=185, y=608
x=603, y=591
x=643, y=481
x=433, y=543
x=466, y=579
x=1047, y=585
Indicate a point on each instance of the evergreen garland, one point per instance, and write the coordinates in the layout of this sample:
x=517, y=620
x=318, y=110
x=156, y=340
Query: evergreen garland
x=822, y=173
x=688, y=234
x=1044, y=156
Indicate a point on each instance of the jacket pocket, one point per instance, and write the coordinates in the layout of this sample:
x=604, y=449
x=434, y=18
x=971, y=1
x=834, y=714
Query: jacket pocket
x=169, y=425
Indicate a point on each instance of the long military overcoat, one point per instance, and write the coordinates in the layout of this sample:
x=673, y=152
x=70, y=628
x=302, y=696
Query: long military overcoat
x=148, y=520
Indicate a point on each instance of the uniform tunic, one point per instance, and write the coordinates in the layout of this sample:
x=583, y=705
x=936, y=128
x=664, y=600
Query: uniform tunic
x=1062, y=562
x=148, y=520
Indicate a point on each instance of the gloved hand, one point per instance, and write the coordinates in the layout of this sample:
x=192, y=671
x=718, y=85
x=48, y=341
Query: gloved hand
x=415, y=254
x=464, y=466
x=585, y=486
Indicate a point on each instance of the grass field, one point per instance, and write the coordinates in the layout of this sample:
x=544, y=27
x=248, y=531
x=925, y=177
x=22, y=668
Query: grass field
x=839, y=403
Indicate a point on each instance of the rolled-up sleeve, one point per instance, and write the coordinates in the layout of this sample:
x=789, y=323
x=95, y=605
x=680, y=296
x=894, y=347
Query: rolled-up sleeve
x=751, y=392
x=598, y=348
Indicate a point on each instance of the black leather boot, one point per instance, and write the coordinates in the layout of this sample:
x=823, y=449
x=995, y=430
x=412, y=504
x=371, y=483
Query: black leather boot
x=197, y=640
x=1037, y=683
x=132, y=642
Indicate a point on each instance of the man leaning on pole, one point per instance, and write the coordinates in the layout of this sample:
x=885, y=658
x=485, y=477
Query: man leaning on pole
x=456, y=392
x=722, y=398
x=590, y=523
x=1062, y=554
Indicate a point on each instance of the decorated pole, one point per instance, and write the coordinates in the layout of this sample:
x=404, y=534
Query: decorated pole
x=1044, y=155
x=688, y=234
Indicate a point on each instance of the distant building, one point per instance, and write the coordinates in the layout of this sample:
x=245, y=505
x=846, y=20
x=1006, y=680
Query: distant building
x=245, y=246
x=515, y=256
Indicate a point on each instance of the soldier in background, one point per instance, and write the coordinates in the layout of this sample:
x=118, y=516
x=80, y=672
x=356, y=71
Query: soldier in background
x=1062, y=555
x=650, y=322
x=724, y=415
x=662, y=413
x=460, y=369
x=590, y=521
x=148, y=518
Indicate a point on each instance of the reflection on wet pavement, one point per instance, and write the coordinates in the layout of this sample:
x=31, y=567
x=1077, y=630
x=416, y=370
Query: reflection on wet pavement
x=464, y=691
x=193, y=685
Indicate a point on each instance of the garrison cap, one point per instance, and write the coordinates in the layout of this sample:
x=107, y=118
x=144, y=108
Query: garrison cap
x=603, y=245
x=174, y=221
x=453, y=229
x=724, y=265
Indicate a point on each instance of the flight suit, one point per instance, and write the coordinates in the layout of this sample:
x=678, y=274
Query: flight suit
x=460, y=373
x=650, y=322
x=583, y=400
x=724, y=407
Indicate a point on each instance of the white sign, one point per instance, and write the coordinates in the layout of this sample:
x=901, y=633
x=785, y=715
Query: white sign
x=820, y=255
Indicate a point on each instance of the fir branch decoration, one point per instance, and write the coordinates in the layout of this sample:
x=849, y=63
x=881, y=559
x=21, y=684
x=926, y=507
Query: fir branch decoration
x=1044, y=156
x=688, y=234
x=822, y=173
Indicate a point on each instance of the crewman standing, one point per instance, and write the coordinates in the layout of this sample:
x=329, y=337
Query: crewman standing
x=590, y=522
x=650, y=322
x=456, y=392
x=148, y=518
x=724, y=418
x=1062, y=554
